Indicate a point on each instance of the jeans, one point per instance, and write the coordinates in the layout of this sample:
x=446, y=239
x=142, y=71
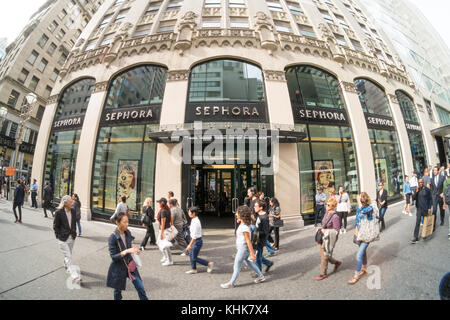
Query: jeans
x=419, y=218
x=19, y=206
x=277, y=236
x=198, y=243
x=66, y=248
x=138, y=284
x=150, y=234
x=382, y=212
x=438, y=202
x=343, y=219
x=319, y=213
x=79, y=227
x=33, y=199
x=361, y=256
x=260, y=260
x=269, y=248
x=241, y=256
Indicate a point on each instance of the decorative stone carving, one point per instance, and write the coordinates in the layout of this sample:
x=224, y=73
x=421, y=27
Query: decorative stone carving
x=301, y=19
x=52, y=99
x=100, y=86
x=393, y=98
x=238, y=12
x=178, y=75
x=329, y=38
x=348, y=87
x=264, y=26
x=116, y=44
x=420, y=108
x=370, y=47
x=271, y=75
x=212, y=12
x=79, y=43
x=186, y=29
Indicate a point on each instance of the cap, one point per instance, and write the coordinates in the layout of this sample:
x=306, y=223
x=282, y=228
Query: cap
x=162, y=200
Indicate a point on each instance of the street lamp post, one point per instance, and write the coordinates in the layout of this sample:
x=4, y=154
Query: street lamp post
x=25, y=115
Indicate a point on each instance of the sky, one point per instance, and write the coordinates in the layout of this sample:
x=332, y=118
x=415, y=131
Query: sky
x=15, y=14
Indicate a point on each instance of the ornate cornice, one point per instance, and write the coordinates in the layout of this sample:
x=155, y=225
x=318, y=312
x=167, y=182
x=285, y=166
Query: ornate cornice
x=178, y=75
x=272, y=75
x=101, y=86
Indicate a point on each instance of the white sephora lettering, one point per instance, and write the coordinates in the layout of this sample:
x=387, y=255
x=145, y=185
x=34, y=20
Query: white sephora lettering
x=325, y=115
x=67, y=122
x=226, y=111
x=127, y=115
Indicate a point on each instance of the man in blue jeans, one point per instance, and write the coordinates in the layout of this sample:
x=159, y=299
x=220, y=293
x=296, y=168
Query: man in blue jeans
x=262, y=229
x=424, y=203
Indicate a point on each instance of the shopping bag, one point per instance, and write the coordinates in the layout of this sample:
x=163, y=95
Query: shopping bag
x=137, y=260
x=428, y=224
x=163, y=244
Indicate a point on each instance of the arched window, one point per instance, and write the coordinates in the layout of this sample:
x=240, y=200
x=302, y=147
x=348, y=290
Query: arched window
x=143, y=85
x=407, y=107
x=66, y=130
x=373, y=98
x=314, y=87
x=226, y=80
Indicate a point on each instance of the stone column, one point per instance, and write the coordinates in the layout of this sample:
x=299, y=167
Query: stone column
x=167, y=172
x=42, y=141
x=361, y=139
x=278, y=102
x=86, y=151
x=403, y=139
x=175, y=95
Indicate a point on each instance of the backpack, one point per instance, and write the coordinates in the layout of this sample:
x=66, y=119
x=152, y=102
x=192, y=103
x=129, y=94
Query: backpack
x=447, y=193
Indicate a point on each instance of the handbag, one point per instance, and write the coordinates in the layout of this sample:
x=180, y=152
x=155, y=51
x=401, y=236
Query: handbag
x=170, y=233
x=131, y=266
x=146, y=220
x=187, y=233
x=369, y=230
x=278, y=223
x=319, y=235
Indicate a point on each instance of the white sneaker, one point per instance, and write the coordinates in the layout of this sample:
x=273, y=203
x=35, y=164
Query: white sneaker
x=259, y=280
x=167, y=263
x=163, y=260
x=410, y=214
x=341, y=232
x=183, y=254
x=227, y=285
x=142, y=249
x=191, y=272
x=210, y=267
x=345, y=231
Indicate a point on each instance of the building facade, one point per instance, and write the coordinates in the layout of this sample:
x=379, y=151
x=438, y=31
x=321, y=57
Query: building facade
x=427, y=59
x=302, y=72
x=31, y=65
x=3, y=43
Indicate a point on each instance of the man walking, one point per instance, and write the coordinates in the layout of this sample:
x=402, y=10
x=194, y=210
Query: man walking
x=424, y=202
x=426, y=178
x=64, y=226
x=262, y=234
x=179, y=221
x=19, y=195
x=47, y=199
x=437, y=185
x=34, y=191
x=446, y=206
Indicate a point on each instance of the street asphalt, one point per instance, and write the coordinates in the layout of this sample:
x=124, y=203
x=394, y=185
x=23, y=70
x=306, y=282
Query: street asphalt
x=32, y=265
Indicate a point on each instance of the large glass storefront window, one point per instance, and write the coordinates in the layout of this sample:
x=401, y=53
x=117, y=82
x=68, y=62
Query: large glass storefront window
x=326, y=156
x=125, y=155
x=226, y=80
x=415, y=137
x=388, y=167
x=383, y=137
x=63, y=145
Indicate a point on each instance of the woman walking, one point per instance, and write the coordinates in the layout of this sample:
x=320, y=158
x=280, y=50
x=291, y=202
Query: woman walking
x=382, y=203
x=344, y=208
x=77, y=207
x=123, y=265
x=147, y=221
x=196, y=243
x=364, y=211
x=275, y=217
x=165, y=222
x=244, y=248
x=407, y=192
x=330, y=230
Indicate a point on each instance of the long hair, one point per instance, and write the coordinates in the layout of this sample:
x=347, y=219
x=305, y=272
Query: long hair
x=147, y=202
x=165, y=207
x=275, y=202
x=245, y=215
x=64, y=201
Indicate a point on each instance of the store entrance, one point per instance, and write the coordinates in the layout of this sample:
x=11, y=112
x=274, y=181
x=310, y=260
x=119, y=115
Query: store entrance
x=218, y=190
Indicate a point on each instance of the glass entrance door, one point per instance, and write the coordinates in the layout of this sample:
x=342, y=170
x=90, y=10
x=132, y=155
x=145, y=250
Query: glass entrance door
x=217, y=191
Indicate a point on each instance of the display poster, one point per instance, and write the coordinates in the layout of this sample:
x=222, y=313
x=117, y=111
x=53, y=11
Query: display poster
x=324, y=174
x=65, y=176
x=127, y=173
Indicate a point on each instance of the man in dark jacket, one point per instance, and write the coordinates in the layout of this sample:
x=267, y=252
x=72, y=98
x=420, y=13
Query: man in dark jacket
x=19, y=195
x=437, y=185
x=424, y=202
x=262, y=231
x=47, y=199
x=64, y=226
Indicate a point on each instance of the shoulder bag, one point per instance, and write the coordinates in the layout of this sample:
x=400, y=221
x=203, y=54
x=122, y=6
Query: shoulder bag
x=131, y=266
x=319, y=234
x=369, y=230
x=170, y=233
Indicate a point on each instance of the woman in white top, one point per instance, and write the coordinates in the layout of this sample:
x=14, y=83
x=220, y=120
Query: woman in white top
x=344, y=208
x=196, y=243
x=244, y=247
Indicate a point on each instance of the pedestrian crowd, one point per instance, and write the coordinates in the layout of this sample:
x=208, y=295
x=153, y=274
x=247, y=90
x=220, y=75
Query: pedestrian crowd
x=258, y=227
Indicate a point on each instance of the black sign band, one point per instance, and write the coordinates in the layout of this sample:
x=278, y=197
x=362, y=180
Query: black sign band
x=118, y=116
x=413, y=127
x=226, y=111
x=306, y=114
x=379, y=122
x=70, y=123
x=11, y=144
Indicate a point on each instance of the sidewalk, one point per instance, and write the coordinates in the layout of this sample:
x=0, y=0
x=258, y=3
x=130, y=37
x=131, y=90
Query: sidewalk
x=32, y=266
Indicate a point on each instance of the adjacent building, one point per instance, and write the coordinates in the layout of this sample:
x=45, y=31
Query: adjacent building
x=3, y=43
x=32, y=64
x=313, y=75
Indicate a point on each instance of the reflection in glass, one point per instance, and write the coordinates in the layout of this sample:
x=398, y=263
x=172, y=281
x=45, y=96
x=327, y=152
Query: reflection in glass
x=75, y=99
x=407, y=107
x=373, y=98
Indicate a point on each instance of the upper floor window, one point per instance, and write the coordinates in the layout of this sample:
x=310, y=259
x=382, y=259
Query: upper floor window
x=429, y=110
x=274, y=6
x=174, y=5
x=32, y=58
x=236, y=3
x=213, y=4
x=140, y=86
x=226, y=80
x=295, y=8
x=373, y=98
x=153, y=7
x=73, y=98
x=407, y=107
x=310, y=86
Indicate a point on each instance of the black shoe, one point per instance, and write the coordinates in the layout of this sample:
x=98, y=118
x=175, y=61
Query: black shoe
x=442, y=223
x=414, y=241
x=268, y=267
